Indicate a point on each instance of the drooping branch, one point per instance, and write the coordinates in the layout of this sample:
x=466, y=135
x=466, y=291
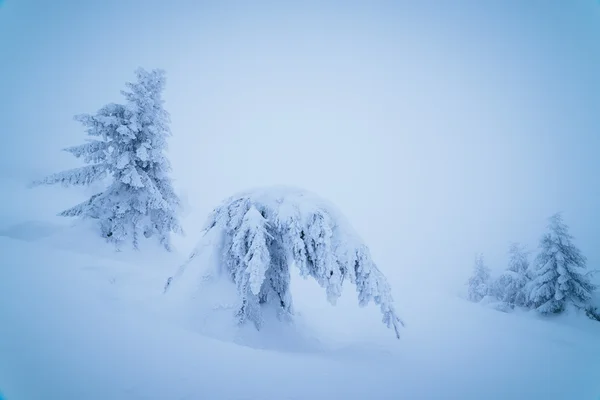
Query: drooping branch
x=265, y=231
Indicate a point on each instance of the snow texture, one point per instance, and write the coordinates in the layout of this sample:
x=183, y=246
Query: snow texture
x=559, y=274
x=104, y=335
x=128, y=145
x=261, y=233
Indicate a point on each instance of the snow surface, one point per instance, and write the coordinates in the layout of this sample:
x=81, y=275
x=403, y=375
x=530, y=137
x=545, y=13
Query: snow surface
x=80, y=321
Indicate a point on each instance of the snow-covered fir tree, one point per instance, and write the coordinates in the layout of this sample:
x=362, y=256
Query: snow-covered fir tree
x=478, y=283
x=509, y=287
x=262, y=233
x=127, y=145
x=559, y=275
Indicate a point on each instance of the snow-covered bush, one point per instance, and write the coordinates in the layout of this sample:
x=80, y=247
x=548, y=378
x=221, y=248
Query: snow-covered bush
x=509, y=287
x=559, y=275
x=478, y=283
x=127, y=145
x=262, y=233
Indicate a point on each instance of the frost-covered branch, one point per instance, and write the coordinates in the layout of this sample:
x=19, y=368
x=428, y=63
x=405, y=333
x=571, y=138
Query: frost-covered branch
x=266, y=231
x=94, y=151
x=83, y=176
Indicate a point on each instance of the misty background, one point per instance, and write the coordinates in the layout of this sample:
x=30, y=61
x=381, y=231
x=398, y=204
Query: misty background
x=440, y=130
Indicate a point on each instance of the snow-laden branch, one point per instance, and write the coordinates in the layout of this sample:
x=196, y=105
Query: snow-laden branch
x=82, y=176
x=263, y=232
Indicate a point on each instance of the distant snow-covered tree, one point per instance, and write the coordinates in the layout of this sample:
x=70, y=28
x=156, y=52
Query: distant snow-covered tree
x=478, y=283
x=264, y=232
x=128, y=145
x=509, y=287
x=559, y=275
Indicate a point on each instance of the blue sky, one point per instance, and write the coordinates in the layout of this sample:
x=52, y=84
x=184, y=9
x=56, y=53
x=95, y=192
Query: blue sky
x=439, y=129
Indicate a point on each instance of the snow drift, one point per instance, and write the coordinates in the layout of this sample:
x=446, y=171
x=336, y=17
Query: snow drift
x=88, y=326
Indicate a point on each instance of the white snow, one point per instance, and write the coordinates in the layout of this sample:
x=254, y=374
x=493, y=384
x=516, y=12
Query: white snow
x=79, y=321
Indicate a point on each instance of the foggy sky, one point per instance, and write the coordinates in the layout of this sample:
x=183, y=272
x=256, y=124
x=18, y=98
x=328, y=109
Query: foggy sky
x=440, y=130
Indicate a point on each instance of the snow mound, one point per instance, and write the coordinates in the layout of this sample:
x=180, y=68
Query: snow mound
x=84, y=237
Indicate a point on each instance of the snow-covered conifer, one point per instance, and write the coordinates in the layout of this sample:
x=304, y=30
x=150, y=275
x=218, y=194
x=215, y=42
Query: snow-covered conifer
x=559, y=274
x=478, y=283
x=263, y=232
x=128, y=144
x=509, y=287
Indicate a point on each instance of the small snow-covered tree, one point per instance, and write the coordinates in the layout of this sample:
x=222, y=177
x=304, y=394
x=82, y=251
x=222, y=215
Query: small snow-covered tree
x=509, y=287
x=128, y=144
x=478, y=283
x=262, y=233
x=559, y=274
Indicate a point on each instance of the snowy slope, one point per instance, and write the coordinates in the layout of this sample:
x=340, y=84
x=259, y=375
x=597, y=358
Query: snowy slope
x=91, y=324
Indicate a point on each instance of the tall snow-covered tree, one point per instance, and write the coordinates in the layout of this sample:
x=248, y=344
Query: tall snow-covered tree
x=262, y=233
x=128, y=146
x=559, y=275
x=478, y=283
x=509, y=287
